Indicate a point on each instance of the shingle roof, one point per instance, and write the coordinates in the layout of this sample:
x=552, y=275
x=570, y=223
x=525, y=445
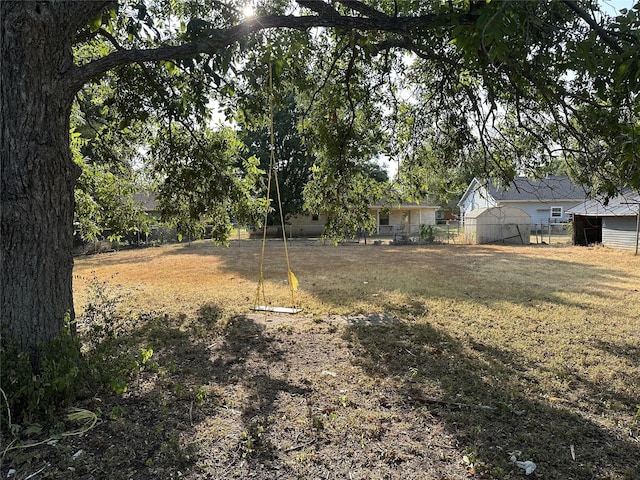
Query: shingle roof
x=393, y=203
x=405, y=205
x=148, y=201
x=625, y=204
x=543, y=189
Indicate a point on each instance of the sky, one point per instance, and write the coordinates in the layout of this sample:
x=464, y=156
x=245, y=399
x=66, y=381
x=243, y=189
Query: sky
x=616, y=5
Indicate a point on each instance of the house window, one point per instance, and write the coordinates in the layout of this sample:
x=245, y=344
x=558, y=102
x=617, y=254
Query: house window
x=314, y=217
x=384, y=219
x=556, y=212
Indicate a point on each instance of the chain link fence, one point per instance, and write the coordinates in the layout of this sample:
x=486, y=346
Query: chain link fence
x=450, y=232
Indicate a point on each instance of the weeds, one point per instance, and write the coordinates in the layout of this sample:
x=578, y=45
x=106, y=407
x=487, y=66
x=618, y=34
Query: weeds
x=109, y=353
x=427, y=233
x=32, y=395
x=98, y=320
x=253, y=441
x=36, y=397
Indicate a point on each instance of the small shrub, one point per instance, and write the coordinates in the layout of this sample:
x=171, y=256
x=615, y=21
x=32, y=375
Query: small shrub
x=253, y=441
x=97, y=322
x=34, y=394
x=110, y=354
x=427, y=233
x=113, y=363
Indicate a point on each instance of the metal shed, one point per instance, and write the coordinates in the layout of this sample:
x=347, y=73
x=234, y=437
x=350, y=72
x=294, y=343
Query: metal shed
x=498, y=225
x=614, y=223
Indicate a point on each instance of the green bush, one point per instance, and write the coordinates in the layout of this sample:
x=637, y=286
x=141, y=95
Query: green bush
x=112, y=355
x=35, y=394
x=427, y=233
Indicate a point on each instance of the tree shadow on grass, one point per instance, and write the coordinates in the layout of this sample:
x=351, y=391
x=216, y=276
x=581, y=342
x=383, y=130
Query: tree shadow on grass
x=486, y=399
x=242, y=366
x=202, y=401
x=243, y=338
x=630, y=350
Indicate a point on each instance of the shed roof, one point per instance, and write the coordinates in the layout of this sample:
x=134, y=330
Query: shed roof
x=624, y=205
x=503, y=213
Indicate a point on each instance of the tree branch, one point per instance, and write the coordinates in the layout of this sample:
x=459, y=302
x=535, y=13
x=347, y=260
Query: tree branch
x=600, y=31
x=222, y=38
x=318, y=6
x=363, y=9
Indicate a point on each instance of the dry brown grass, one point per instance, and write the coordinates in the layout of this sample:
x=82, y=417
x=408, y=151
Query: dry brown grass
x=481, y=281
x=483, y=350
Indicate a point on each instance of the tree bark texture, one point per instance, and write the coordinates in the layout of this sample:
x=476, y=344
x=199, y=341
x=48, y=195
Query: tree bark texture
x=38, y=173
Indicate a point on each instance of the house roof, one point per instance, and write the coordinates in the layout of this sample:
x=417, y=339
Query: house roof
x=524, y=189
x=147, y=200
x=624, y=205
x=541, y=189
x=405, y=206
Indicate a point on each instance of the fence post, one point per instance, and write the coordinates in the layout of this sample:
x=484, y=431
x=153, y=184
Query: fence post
x=541, y=233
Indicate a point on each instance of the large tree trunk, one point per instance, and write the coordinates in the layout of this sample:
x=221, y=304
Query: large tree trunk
x=38, y=173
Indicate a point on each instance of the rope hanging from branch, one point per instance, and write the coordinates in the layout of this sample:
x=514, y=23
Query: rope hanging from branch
x=260, y=302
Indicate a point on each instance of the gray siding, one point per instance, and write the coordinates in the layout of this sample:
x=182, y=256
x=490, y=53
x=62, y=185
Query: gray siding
x=540, y=212
x=619, y=232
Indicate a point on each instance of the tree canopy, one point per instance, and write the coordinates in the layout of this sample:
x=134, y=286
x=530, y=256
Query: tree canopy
x=521, y=83
x=500, y=86
x=292, y=160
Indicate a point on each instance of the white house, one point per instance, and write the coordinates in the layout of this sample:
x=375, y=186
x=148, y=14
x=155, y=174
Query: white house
x=399, y=219
x=546, y=200
x=404, y=218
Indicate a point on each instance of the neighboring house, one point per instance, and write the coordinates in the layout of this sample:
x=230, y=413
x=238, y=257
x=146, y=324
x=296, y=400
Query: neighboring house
x=158, y=232
x=546, y=200
x=613, y=225
x=306, y=225
x=148, y=202
x=403, y=219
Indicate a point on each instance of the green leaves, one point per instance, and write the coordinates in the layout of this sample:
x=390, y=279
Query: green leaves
x=104, y=203
x=96, y=23
x=345, y=194
x=490, y=87
x=205, y=181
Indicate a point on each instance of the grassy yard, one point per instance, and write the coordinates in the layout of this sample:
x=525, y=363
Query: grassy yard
x=427, y=362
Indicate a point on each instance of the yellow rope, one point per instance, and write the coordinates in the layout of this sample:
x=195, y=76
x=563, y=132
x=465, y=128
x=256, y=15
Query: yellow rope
x=293, y=281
